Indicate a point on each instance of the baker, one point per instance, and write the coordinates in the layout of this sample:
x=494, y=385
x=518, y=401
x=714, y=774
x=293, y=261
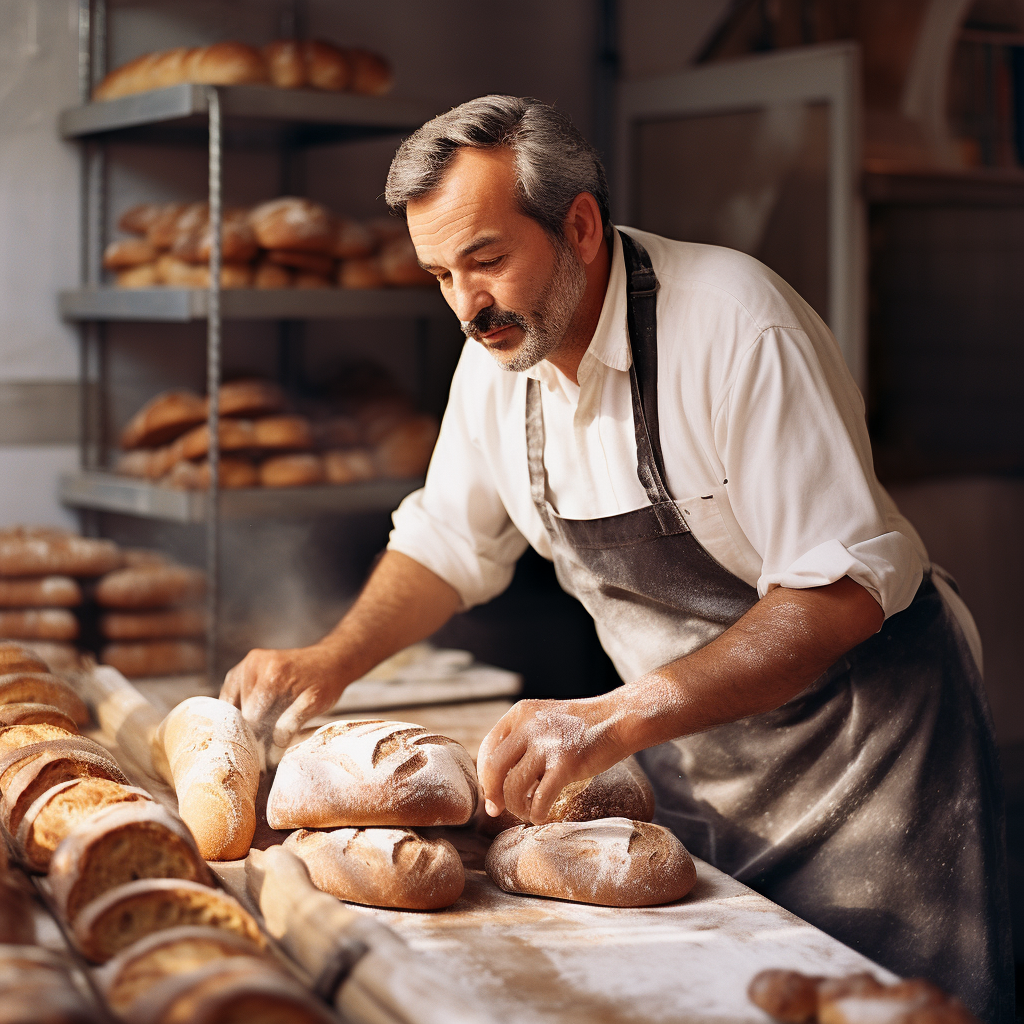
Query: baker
x=676, y=428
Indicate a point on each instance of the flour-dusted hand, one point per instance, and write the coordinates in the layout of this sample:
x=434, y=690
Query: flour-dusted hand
x=540, y=746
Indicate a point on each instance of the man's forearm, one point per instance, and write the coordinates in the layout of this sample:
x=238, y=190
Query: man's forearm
x=774, y=651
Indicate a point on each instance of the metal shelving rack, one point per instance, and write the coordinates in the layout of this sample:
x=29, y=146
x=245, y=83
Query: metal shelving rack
x=216, y=117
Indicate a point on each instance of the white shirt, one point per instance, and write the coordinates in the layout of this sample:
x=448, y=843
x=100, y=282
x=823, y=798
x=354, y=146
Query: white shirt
x=762, y=430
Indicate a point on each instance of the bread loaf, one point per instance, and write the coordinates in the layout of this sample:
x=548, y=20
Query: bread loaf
x=164, y=954
x=43, y=688
x=620, y=792
x=405, y=449
x=215, y=767
x=40, y=592
x=234, y=435
x=179, y=273
x=400, y=267
x=37, y=989
x=327, y=67
x=349, y=466
x=172, y=622
x=17, y=925
x=227, y=63
x=128, y=252
x=297, y=259
x=31, y=713
x=151, y=586
x=232, y=473
x=383, y=867
x=163, y=227
x=611, y=862
x=788, y=996
x=285, y=63
x=14, y=737
x=130, y=78
x=55, y=812
x=18, y=658
x=250, y=396
x=237, y=990
x=371, y=73
x=862, y=1000
x=141, y=658
x=372, y=772
x=120, y=844
x=127, y=913
x=293, y=223
x=169, y=67
x=361, y=273
x=162, y=419
x=270, y=275
x=24, y=554
x=292, y=471
x=136, y=557
x=193, y=241
x=38, y=624
x=137, y=219
x=143, y=276
x=288, y=432
x=61, y=657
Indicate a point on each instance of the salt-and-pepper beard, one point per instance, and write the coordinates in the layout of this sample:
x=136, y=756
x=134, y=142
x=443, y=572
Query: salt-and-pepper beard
x=545, y=327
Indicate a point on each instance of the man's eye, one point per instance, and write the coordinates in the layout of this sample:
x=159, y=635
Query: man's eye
x=444, y=277
x=488, y=264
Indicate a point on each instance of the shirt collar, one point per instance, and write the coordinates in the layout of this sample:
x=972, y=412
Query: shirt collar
x=609, y=344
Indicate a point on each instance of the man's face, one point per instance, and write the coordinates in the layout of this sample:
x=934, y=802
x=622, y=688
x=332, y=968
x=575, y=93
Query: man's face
x=513, y=288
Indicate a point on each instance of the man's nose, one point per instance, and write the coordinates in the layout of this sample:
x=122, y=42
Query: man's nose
x=467, y=298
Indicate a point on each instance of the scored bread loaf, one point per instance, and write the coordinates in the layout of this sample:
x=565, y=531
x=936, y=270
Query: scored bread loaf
x=56, y=811
x=612, y=862
x=195, y=476
x=151, y=586
x=162, y=419
x=215, y=768
x=168, y=952
x=15, y=737
x=40, y=592
x=43, y=688
x=289, y=222
x=24, y=553
x=137, y=219
x=120, y=844
x=227, y=63
x=127, y=913
x=18, y=658
x=383, y=867
x=14, y=760
x=140, y=659
x=373, y=772
x=38, y=624
x=33, y=713
x=171, y=622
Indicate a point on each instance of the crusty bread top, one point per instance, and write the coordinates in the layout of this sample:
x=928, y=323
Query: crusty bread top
x=40, y=592
x=620, y=792
x=14, y=737
x=373, y=772
x=34, y=713
x=249, y=396
x=57, y=555
x=17, y=658
x=71, y=746
x=163, y=418
x=43, y=688
x=151, y=586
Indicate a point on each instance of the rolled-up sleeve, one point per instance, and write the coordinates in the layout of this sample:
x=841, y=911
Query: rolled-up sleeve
x=793, y=439
x=456, y=524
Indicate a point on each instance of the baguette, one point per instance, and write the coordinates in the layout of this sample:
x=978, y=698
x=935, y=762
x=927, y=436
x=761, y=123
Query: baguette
x=162, y=419
x=151, y=586
x=23, y=553
x=40, y=592
x=141, y=658
x=43, y=688
x=129, y=912
x=215, y=768
x=38, y=624
x=227, y=63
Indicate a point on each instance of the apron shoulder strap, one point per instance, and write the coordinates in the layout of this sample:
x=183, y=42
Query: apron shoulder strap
x=642, y=324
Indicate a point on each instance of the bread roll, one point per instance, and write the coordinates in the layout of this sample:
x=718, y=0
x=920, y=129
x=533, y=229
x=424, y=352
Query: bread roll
x=145, y=276
x=788, y=996
x=862, y=1000
x=31, y=713
x=250, y=396
x=143, y=658
x=172, y=622
x=17, y=924
x=56, y=811
x=195, y=476
x=352, y=240
x=399, y=265
x=137, y=219
x=383, y=867
x=237, y=990
x=169, y=67
x=43, y=688
x=38, y=624
x=165, y=954
x=128, y=252
x=18, y=658
x=194, y=241
x=162, y=419
x=293, y=223
x=151, y=586
x=270, y=275
x=120, y=844
x=215, y=767
x=127, y=913
x=25, y=554
x=371, y=73
x=361, y=273
x=297, y=259
x=327, y=66
x=40, y=592
x=234, y=436
x=227, y=63
x=372, y=772
x=294, y=432
x=349, y=466
x=285, y=63
x=24, y=734
x=292, y=471
x=612, y=862
x=405, y=449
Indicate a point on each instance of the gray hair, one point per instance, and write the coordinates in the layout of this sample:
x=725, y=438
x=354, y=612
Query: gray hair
x=554, y=162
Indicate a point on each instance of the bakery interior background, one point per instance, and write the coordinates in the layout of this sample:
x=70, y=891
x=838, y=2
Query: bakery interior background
x=943, y=302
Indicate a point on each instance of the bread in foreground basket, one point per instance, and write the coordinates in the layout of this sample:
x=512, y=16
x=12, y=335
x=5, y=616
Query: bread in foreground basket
x=33, y=713
x=124, y=915
x=43, y=688
x=611, y=862
x=383, y=867
x=373, y=772
x=215, y=769
x=38, y=989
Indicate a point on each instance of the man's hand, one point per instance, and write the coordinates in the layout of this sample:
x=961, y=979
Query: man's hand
x=540, y=746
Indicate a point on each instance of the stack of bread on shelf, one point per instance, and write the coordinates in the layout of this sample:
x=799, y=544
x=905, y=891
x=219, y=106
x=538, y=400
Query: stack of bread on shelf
x=285, y=63
x=288, y=242
x=262, y=444
x=41, y=569
x=152, y=620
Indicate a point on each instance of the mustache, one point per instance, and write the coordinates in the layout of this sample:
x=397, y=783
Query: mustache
x=491, y=319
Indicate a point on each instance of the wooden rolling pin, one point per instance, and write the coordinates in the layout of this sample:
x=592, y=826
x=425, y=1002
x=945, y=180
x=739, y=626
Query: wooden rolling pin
x=365, y=968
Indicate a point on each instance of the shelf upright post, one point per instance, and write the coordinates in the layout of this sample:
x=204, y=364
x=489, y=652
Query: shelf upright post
x=84, y=256
x=213, y=358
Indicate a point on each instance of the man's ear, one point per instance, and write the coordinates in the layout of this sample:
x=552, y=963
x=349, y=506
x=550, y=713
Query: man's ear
x=584, y=229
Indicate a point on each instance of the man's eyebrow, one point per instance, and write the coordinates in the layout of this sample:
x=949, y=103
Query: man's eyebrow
x=477, y=243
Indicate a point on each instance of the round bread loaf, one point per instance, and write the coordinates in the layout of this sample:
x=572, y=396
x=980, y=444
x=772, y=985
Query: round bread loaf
x=164, y=954
x=128, y=913
x=17, y=922
x=171, y=622
x=382, y=867
x=151, y=586
x=235, y=435
x=613, y=862
x=250, y=396
x=371, y=73
x=293, y=223
x=137, y=219
x=162, y=419
x=327, y=66
x=128, y=252
x=215, y=767
x=295, y=432
x=18, y=658
x=43, y=688
x=237, y=990
x=55, y=812
x=40, y=592
x=292, y=471
x=285, y=63
x=30, y=713
x=39, y=624
x=195, y=476
x=372, y=772
x=788, y=996
x=400, y=267
x=140, y=659
x=349, y=466
x=620, y=792
x=361, y=273
x=14, y=737
x=119, y=844
x=23, y=553
x=271, y=275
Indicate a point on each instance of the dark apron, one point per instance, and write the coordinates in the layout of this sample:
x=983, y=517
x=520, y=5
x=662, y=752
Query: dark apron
x=870, y=804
